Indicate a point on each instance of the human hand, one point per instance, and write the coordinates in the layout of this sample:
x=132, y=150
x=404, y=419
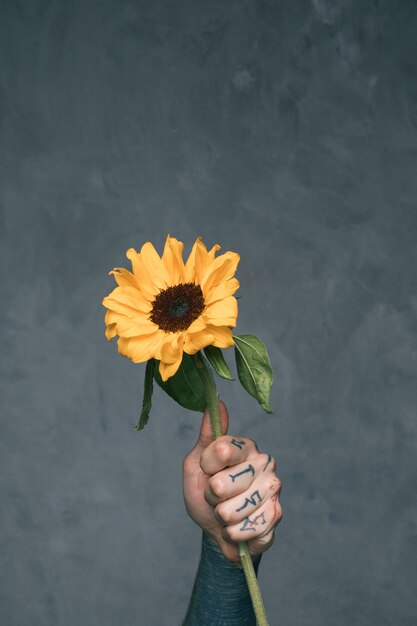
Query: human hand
x=231, y=490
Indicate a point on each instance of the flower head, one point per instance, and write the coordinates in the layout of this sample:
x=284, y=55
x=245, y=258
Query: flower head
x=166, y=307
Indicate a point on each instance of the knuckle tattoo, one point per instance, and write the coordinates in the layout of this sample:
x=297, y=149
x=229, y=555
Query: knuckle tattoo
x=253, y=523
x=249, y=468
x=253, y=499
x=255, y=445
x=238, y=443
x=268, y=462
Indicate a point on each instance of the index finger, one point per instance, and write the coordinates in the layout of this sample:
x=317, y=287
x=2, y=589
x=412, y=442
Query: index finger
x=225, y=452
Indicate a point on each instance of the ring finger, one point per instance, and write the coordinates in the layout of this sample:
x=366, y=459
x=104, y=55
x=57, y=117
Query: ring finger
x=259, y=523
x=235, y=509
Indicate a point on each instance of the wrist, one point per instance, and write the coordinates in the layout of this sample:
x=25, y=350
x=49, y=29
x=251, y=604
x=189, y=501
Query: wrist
x=229, y=549
x=220, y=590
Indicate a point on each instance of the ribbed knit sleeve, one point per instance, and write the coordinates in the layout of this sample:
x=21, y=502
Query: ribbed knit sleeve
x=220, y=595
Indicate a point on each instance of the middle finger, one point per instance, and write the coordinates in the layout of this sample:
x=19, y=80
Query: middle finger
x=236, y=509
x=234, y=480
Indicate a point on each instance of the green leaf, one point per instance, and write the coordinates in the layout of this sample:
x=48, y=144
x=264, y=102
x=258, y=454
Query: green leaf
x=216, y=359
x=185, y=387
x=147, y=395
x=254, y=368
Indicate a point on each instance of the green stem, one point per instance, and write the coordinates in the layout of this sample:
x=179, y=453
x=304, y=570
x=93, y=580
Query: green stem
x=245, y=557
x=211, y=393
x=252, y=582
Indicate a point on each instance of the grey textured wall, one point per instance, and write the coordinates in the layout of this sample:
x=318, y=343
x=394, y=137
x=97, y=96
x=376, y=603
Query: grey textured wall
x=285, y=131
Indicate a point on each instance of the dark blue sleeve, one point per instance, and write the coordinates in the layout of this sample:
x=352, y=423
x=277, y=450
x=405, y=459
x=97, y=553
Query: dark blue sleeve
x=220, y=595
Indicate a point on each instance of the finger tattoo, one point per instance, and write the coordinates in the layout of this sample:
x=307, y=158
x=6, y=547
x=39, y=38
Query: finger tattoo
x=237, y=443
x=245, y=471
x=249, y=524
x=268, y=462
x=252, y=500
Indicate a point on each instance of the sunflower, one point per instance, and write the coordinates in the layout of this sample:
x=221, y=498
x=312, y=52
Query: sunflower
x=166, y=307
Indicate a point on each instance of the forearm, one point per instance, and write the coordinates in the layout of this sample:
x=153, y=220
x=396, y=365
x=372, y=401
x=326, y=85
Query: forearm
x=220, y=595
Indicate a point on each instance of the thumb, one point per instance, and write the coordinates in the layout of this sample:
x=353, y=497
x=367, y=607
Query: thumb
x=206, y=435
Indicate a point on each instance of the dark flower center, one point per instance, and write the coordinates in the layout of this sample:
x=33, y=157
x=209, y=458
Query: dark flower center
x=176, y=308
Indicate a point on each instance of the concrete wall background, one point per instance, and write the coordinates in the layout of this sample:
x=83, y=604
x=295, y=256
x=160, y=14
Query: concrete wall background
x=285, y=131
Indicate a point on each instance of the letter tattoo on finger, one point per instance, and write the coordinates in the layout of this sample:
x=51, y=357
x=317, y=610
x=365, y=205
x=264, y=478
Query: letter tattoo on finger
x=237, y=443
x=252, y=500
x=249, y=468
x=249, y=524
x=268, y=462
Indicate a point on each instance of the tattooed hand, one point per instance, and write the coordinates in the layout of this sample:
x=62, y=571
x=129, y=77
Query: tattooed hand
x=231, y=490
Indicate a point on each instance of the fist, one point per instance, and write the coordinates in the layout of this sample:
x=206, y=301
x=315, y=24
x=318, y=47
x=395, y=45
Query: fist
x=231, y=490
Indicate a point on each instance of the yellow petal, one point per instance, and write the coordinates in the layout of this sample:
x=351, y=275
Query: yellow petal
x=119, y=307
x=204, y=262
x=221, y=310
x=171, y=347
x=168, y=365
x=212, y=252
x=223, y=290
x=169, y=351
x=133, y=257
x=138, y=349
x=172, y=259
x=111, y=331
x=199, y=260
x=223, y=321
x=124, y=278
x=111, y=317
x=197, y=325
x=169, y=369
x=197, y=341
x=220, y=270
x=222, y=336
x=131, y=296
x=127, y=303
x=190, y=264
x=156, y=269
x=147, y=287
x=131, y=327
